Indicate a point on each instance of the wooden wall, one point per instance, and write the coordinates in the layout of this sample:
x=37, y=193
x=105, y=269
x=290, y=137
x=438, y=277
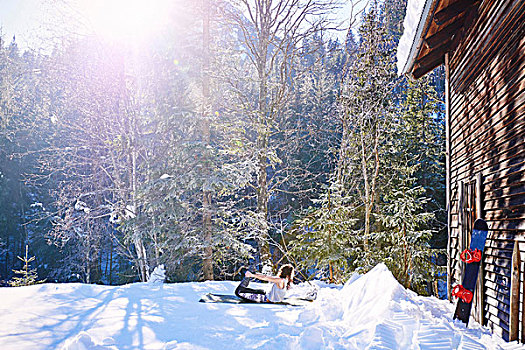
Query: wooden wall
x=487, y=152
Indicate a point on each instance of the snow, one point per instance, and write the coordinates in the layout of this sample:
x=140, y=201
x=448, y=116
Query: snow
x=416, y=9
x=158, y=275
x=266, y=270
x=372, y=311
x=82, y=206
x=129, y=213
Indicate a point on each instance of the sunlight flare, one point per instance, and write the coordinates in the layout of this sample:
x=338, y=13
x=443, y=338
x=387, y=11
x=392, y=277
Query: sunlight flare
x=123, y=20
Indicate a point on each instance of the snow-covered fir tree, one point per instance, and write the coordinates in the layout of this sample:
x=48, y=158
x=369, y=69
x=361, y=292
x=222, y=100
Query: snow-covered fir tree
x=376, y=206
x=26, y=275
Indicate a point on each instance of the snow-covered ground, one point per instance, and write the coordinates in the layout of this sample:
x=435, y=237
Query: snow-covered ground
x=369, y=312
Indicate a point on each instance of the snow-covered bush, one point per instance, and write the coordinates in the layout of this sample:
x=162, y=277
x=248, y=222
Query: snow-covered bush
x=158, y=275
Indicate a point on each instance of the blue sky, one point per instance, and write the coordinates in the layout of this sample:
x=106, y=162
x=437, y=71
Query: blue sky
x=23, y=18
x=32, y=21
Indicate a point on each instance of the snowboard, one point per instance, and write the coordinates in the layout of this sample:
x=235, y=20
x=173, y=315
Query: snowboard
x=470, y=277
x=233, y=299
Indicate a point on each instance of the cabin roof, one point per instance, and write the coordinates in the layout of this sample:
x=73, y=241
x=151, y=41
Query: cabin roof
x=431, y=29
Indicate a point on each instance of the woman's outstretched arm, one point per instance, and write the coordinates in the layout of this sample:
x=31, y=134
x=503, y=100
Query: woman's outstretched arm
x=280, y=282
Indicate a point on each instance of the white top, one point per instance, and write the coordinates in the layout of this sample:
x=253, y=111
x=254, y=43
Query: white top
x=277, y=294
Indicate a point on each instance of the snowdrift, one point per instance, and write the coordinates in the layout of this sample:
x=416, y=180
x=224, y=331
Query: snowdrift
x=372, y=311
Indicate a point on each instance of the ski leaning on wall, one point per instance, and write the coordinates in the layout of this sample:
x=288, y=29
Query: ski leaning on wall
x=472, y=258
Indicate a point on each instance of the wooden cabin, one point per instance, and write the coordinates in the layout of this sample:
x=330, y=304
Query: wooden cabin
x=482, y=45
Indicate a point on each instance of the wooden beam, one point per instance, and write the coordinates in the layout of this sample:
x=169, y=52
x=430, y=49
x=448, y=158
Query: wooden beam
x=445, y=34
x=523, y=309
x=515, y=294
x=419, y=72
x=432, y=55
x=453, y=10
x=431, y=60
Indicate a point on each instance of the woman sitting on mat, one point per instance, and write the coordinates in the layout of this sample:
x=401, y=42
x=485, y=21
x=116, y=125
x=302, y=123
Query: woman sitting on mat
x=281, y=283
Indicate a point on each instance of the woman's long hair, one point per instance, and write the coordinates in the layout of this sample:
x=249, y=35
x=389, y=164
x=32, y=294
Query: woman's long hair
x=286, y=271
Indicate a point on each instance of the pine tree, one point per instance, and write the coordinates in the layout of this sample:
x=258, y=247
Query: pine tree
x=424, y=144
x=28, y=276
x=343, y=223
x=22, y=103
x=409, y=211
x=379, y=205
x=403, y=239
x=323, y=238
x=367, y=113
x=393, y=12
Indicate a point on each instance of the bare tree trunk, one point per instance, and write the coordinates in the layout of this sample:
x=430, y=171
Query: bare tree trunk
x=110, y=262
x=330, y=264
x=370, y=181
x=405, y=255
x=273, y=32
x=129, y=121
x=262, y=148
x=366, y=201
x=207, y=194
x=262, y=198
x=139, y=244
x=88, y=268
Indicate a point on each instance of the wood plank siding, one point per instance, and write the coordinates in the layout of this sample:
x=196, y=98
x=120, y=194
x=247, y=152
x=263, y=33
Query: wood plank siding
x=486, y=83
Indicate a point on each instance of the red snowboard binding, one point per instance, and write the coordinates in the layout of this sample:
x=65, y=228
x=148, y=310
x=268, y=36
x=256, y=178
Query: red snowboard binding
x=462, y=293
x=470, y=256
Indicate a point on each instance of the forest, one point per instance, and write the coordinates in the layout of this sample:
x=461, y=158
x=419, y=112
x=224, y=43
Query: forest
x=243, y=133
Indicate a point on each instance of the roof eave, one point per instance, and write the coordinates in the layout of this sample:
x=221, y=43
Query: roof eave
x=418, y=40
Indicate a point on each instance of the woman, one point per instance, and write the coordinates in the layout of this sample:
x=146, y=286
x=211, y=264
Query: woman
x=281, y=283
